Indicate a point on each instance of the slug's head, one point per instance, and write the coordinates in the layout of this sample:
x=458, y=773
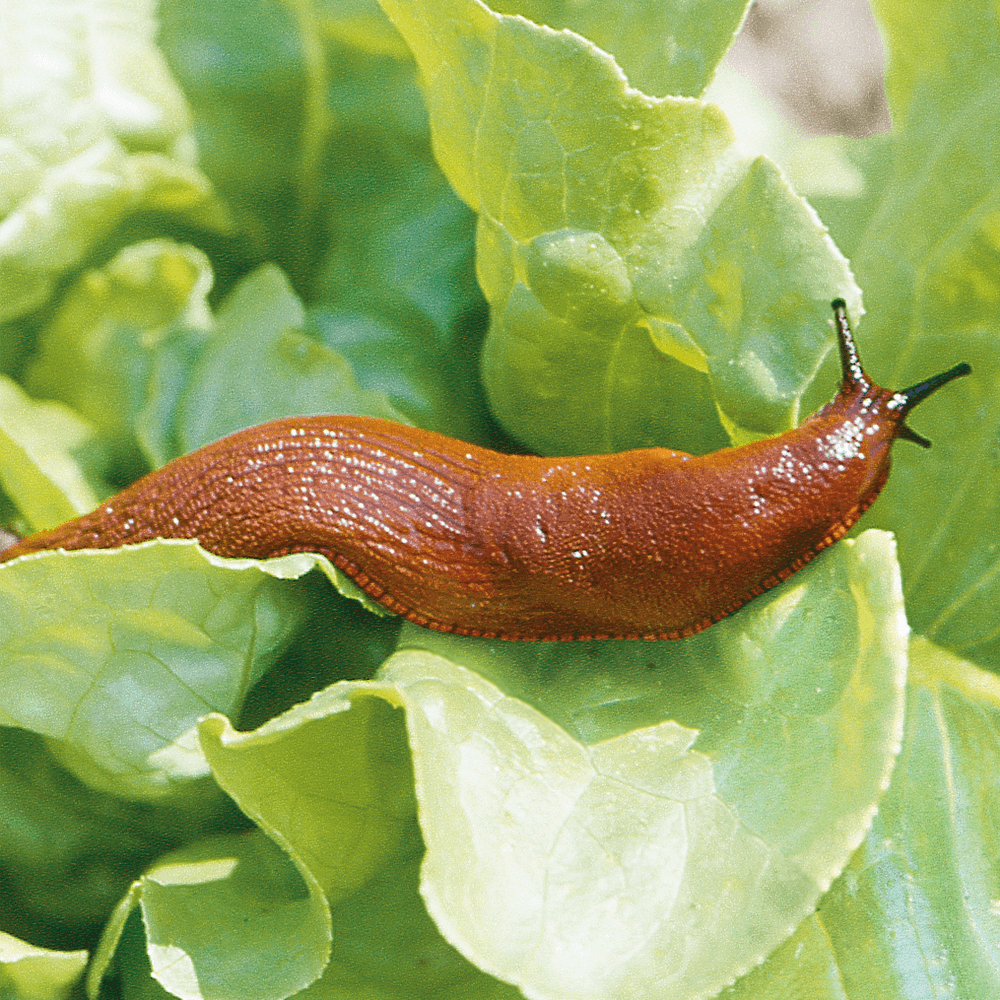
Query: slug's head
x=857, y=390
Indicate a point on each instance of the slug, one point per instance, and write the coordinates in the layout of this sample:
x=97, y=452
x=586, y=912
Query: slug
x=646, y=544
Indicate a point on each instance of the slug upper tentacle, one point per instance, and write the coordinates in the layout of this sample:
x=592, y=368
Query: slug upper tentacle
x=651, y=544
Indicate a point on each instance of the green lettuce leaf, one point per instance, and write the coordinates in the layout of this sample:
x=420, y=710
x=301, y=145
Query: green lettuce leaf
x=913, y=914
x=31, y=973
x=930, y=263
x=95, y=130
x=690, y=39
x=641, y=845
x=115, y=654
x=258, y=340
x=376, y=959
x=136, y=349
x=119, y=342
x=372, y=958
x=330, y=780
x=350, y=205
x=227, y=917
x=40, y=444
x=581, y=849
x=68, y=851
x=626, y=247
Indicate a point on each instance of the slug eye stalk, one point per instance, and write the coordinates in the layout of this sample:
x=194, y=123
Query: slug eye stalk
x=904, y=400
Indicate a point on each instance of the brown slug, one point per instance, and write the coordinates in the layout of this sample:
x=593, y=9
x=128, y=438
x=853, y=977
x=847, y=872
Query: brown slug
x=650, y=544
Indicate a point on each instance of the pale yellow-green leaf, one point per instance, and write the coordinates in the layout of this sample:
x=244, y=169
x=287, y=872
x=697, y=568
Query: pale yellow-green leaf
x=31, y=973
x=38, y=470
x=115, y=654
x=662, y=821
x=683, y=258
x=94, y=129
x=330, y=780
x=226, y=918
x=915, y=913
x=120, y=337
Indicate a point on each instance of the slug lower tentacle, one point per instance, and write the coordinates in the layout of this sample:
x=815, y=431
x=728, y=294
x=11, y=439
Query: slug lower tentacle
x=651, y=544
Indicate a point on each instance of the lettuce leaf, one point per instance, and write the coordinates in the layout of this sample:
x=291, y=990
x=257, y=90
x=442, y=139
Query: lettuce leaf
x=624, y=244
x=95, y=130
x=37, y=973
x=39, y=447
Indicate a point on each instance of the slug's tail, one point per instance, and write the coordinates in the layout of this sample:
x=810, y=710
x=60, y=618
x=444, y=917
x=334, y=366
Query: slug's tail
x=901, y=402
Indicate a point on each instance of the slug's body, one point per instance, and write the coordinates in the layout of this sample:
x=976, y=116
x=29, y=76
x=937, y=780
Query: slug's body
x=649, y=544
